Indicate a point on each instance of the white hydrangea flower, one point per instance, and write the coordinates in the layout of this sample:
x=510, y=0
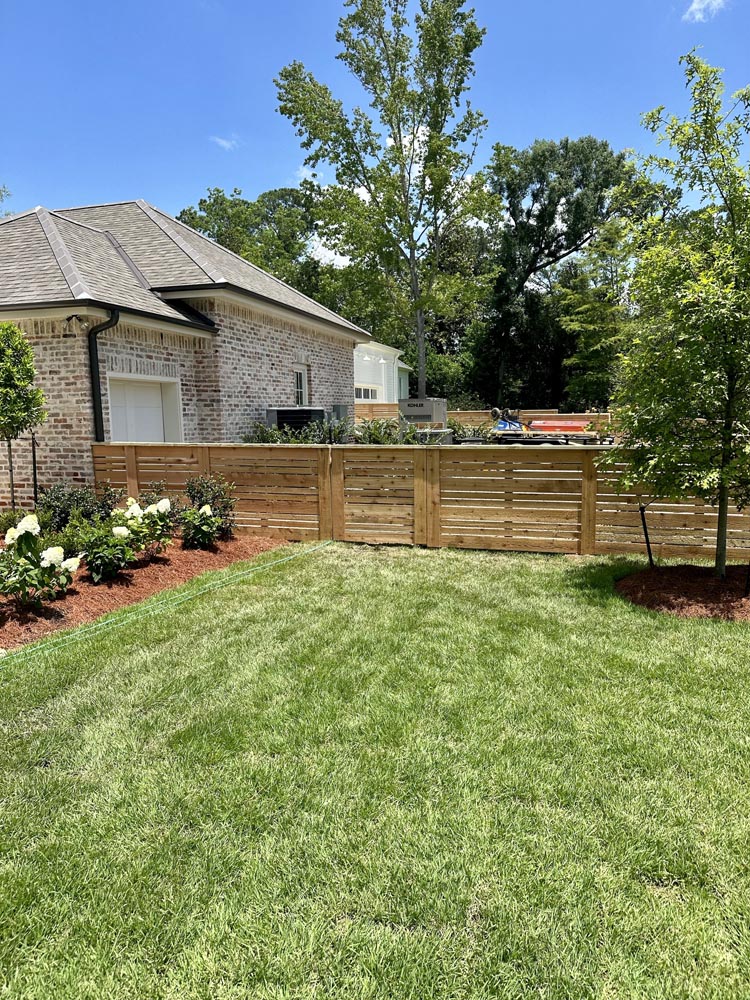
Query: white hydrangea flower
x=11, y=535
x=205, y=509
x=120, y=531
x=52, y=556
x=29, y=524
x=151, y=509
x=71, y=565
x=134, y=510
x=164, y=506
x=131, y=502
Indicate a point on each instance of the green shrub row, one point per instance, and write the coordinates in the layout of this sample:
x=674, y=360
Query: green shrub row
x=73, y=523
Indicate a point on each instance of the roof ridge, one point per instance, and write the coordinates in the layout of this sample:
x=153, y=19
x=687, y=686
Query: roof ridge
x=75, y=281
x=121, y=252
x=205, y=265
x=129, y=262
x=98, y=204
x=57, y=214
x=249, y=263
x=19, y=215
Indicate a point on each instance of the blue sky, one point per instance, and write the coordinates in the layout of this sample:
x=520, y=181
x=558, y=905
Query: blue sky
x=105, y=101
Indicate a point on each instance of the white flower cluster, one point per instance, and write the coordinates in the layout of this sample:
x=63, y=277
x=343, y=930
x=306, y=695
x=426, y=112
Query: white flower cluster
x=205, y=509
x=55, y=556
x=133, y=509
x=28, y=524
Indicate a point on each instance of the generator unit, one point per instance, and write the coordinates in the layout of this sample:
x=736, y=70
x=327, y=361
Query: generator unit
x=294, y=417
x=424, y=411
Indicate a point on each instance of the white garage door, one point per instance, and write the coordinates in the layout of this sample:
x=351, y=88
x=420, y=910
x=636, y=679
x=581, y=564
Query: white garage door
x=143, y=411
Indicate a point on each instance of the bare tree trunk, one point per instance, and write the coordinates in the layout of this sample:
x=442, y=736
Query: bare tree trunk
x=421, y=355
x=10, y=475
x=720, y=564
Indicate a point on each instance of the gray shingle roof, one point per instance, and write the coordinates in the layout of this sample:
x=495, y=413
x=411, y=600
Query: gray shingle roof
x=123, y=255
x=173, y=256
x=46, y=258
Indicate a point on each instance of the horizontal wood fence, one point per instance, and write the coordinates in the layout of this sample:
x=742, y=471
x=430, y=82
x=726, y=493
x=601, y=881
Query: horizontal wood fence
x=531, y=499
x=479, y=418
x=376, y=411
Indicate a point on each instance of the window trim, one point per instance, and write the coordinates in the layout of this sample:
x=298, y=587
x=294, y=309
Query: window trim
x=301, y=388
x=360, y=390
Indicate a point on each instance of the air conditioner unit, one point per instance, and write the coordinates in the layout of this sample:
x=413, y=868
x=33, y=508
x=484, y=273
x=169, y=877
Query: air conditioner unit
x=294, y=416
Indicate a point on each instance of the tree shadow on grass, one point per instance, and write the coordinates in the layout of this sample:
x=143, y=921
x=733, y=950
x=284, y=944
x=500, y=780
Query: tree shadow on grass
x=595, y=580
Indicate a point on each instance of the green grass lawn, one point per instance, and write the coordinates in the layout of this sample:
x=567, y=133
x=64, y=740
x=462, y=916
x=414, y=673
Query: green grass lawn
x=382, y=773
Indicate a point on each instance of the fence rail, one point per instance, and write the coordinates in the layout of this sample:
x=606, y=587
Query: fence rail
x=536, y=499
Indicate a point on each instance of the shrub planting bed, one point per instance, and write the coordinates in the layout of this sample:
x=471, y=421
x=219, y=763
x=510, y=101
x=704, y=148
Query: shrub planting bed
x=85, y=601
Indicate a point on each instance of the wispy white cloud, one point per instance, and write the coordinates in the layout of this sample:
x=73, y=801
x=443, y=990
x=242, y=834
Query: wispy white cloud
x=702, y=10
x=228, y=144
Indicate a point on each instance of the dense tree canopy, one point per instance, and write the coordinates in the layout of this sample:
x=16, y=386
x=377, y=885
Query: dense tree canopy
x=554, y=197
x=274, y=231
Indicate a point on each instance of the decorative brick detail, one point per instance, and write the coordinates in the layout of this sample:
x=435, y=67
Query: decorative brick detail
x=227, y=380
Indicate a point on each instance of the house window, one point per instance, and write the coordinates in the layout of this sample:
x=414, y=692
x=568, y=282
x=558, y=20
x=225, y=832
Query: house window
x=300, y=385
x=365, y=392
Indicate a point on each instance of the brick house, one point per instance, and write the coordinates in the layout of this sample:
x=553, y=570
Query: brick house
x=145, y=330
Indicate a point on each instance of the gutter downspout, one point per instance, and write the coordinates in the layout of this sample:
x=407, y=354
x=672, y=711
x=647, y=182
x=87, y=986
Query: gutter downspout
x=96, y=382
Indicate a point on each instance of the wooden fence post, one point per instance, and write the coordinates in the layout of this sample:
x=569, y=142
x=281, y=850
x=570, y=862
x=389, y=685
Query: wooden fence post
x=325, y=512
x=131, y=470
x=204, y=460
x=420, y=495
x=432, y=483
x=587, y=540
x=338, y=508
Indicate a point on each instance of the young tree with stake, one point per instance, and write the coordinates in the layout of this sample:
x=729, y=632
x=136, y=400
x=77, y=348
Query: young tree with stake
x=683, y=397
x=21, y=402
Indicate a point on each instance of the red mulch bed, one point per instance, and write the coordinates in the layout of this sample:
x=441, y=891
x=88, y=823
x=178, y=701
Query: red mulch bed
x=689, y=592
x=85, y=602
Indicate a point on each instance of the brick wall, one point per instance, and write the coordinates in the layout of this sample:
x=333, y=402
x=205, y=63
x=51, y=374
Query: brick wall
x=127, y=349
x=226, y=381
x=61, y=356
x=62, y=362
x=256, y=356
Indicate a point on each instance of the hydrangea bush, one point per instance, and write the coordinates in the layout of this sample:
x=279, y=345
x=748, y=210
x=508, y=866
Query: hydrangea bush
x=200, y=527
x=31, y=573
x=149, y=530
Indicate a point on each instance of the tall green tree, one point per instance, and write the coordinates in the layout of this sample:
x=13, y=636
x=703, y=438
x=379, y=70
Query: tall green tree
x=684, y=391
x=554, y=198
x=21, y=402
x=403, y=169
x=593, y=305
